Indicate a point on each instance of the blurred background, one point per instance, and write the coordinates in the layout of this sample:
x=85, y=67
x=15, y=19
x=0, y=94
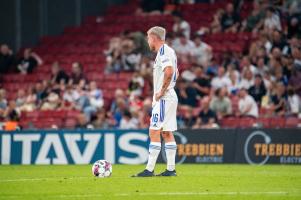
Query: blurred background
x=74, y=64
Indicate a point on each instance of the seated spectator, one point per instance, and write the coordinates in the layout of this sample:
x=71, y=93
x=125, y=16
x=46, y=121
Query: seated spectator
x=128, y=121
x=279, y=41
x=201, y=83
x=187, y=120
x=246, y=64
x=119, y=94
x=221, y=104
x=3, y=102
x=230, y=19
x=247, y=106
x=235, y=83
x=96, y=97
x=295, y=81
x=207, y=117
x=278, y=100
x=180, y=26
x=70, y=98
x=271, y=20
x=28, y=62
x=187, y=95
x=77, y=74
x=129, y=58
x=183, y=47
x=189, y=74
x=82, y=122
x=202, y=52
x=57, y=74
x=7, y=59
x=247, y=80
x=145, y=113
x=262, y=68
x=252, y=23
x=30, y=102
x=52, y=101
x=220, y=80
x=258, y=90
x=294, y=102
x=21, y=98
x=101, y=121
x=136, y=85
x=11, y=112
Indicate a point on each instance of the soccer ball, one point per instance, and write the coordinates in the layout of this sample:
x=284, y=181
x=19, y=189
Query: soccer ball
x=102, y=169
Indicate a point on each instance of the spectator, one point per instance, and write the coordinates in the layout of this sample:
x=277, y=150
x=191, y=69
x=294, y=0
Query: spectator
x=70, y=98
x=184, y=47
x=96, y=97
x=11, y=112
x=101, y=121
x=52, y=101
x=127, y=121
x=57, y=74
x=220, y=80
x=294, y=25
x=21, y=98
x=235, y=84
x=294, y=103
x=258, y=90
x=247, y=80
x=221, y=104
x=136, y=85
x=130, y=58
x=119, y=94
x=31, y=99
x=252, y=23
x=230, y=19
x=145, y=113
x=201, y=83
x=154, y=7
x=83, y=102
x=28, y=62
x=262, y=68
x=3, y=102
x=207, y=117
x=278, y=100
x=187, y=96
x=247, y=106
x=180, y=26
x=82, y=122
x=77, y=74
x=187, y=119
x=202, y=52
x=279, y=41
x=7, y=59
x=295, y=81
x=272, y=20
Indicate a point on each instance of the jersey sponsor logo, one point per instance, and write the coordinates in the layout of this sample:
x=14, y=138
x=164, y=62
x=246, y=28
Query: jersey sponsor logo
x=166, y=60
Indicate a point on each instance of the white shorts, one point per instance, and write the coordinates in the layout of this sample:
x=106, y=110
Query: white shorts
x=164, y=115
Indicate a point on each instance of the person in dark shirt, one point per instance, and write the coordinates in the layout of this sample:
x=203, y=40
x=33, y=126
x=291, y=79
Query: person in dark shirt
x=258, y=90
x=187, y=96
x=77, y=74
x=207, y=117
x=7, y=59
x=278, y=41
x=28, y=62
x=278, y=100
x=58, y=75
x=201, y=83
x=230, y=19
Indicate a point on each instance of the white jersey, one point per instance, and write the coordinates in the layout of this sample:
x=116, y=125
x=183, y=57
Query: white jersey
x=166, y=57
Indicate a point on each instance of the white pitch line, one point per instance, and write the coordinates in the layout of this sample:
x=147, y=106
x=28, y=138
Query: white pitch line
x=71, y=196
x=40, y=179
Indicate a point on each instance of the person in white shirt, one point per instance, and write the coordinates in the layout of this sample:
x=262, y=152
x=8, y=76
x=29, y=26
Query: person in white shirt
x=272, y=20
x=180, y=25
x=202, y=52
x=184, y=47
x=164, y=107
x=247, y=80
x=246, y=105
x=220, y=80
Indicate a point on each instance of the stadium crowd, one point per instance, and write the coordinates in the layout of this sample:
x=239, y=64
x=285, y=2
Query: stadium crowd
x=264, y=80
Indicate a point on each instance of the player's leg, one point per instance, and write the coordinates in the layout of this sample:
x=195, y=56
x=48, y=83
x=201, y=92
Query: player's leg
x=154, y=149
x=170, y=125
x=155, y=141
x=170, y=149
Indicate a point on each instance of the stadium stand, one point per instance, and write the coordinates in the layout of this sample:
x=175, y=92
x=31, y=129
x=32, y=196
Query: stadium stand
x=104, y=48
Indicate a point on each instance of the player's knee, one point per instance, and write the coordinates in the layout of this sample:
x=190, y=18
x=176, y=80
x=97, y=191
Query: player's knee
x=155, y=136
x=167, y=136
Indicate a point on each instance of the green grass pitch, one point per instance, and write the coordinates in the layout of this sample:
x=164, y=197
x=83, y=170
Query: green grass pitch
x=193, y=182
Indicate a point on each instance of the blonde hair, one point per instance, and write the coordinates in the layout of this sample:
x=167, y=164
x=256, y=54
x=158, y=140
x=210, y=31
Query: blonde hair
x=159, y=31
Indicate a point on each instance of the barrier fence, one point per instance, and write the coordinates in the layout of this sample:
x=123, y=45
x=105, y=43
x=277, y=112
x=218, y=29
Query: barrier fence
x=252, y=146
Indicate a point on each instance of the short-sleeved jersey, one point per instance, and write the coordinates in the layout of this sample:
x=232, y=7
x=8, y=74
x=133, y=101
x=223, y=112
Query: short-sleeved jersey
x=166, y=57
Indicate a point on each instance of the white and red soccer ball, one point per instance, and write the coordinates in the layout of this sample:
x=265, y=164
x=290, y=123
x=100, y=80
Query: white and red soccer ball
x=102, y=169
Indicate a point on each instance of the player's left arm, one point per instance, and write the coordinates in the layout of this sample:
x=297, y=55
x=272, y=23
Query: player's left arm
x=168, y=73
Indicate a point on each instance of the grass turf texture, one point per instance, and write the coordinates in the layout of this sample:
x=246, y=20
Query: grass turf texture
x=193, y=182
